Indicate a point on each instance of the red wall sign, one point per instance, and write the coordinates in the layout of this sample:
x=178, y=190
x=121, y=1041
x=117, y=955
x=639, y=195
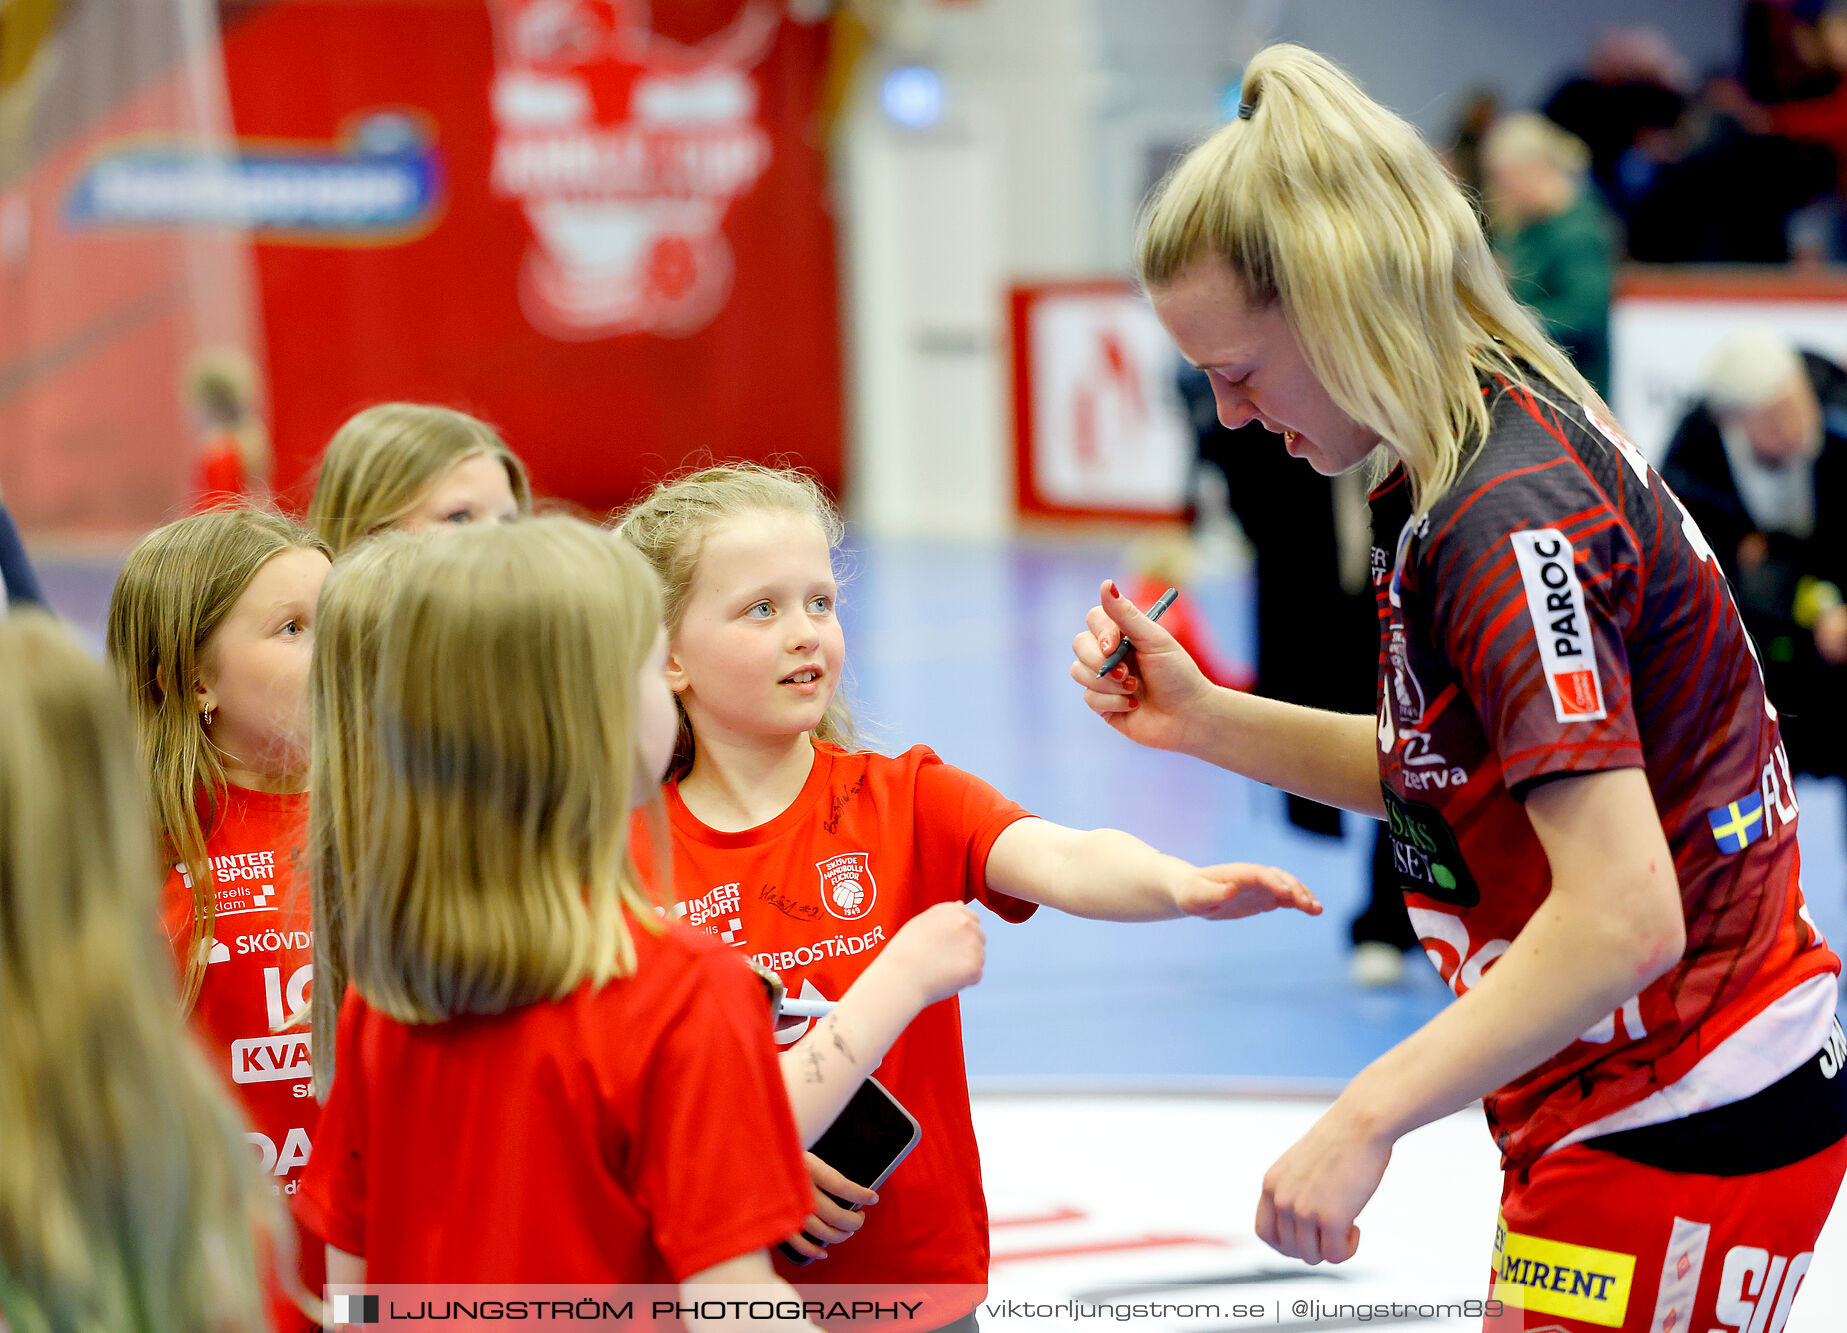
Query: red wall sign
x=1099, y=431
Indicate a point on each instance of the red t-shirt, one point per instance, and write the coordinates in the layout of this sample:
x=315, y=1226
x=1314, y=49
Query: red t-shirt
x=1557, y=613
x=262, y=962
x=637, y=1132
x=221, y=476
x=814, y=894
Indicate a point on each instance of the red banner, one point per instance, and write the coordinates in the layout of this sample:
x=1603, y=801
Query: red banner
x=611, y=234
x=603, y=226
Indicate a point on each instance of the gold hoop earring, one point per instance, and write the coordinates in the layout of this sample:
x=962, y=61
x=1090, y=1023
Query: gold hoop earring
x=205, y=716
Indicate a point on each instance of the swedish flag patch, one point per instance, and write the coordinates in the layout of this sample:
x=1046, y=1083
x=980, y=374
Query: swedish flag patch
x=1739, y=824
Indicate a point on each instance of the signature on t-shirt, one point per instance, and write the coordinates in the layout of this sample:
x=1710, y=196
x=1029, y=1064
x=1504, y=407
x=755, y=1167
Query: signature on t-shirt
x=840, y=803
x=783, y=903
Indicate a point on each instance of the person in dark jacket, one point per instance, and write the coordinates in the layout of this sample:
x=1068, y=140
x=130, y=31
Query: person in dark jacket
x=1760, y=463
x=19, y=585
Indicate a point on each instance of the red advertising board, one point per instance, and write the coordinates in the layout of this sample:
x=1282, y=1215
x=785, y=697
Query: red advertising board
x=602, y=225
x=628, y=259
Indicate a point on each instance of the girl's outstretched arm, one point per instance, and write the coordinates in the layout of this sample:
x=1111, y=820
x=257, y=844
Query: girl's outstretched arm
x=1111, y=876
x=343, y=1270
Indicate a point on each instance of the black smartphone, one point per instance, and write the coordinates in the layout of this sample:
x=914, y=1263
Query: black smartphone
x=867, y=1140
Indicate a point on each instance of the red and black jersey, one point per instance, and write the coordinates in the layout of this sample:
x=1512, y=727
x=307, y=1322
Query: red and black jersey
x=1557, y=612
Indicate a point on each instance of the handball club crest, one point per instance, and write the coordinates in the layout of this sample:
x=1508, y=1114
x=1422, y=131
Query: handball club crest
x=847, y=887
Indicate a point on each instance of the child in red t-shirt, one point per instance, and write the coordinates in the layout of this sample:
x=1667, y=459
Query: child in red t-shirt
x=537, y=1078
x=232, y=464
x=795, y=847
x=210, y=628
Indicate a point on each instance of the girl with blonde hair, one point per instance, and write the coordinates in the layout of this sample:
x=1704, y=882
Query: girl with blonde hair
x=1584, y=783
x=414, y=466
x=937, y=954
x=127, y=1197
x=341, y=766
x=210, y=631
x=507, y=969
x=816, y=857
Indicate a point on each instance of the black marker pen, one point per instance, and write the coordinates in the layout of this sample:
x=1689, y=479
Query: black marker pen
x=1155, y=612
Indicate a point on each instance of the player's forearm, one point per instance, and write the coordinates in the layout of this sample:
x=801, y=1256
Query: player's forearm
x=1571, y=967
x=1328, y=757
x=826, y=1067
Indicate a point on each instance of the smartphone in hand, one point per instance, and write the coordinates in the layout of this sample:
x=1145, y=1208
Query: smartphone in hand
x=867, y=1140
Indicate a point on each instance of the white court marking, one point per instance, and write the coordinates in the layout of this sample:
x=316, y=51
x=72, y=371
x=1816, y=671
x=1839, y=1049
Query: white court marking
x=1114, y=1198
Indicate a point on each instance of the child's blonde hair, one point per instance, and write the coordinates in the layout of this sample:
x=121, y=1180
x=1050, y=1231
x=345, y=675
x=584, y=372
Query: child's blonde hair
x=178, y=585
x=382, y=460
x=1324, y=200
x=127, y=1193
x=504, y=728
x=1527, y=136
x=341, y=764
x=670, y=528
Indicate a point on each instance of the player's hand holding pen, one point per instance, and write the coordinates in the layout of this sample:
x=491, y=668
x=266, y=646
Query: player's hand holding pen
x=1155, y=694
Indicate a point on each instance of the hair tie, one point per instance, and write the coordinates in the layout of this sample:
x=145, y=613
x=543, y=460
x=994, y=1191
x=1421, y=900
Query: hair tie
x=1246, y=110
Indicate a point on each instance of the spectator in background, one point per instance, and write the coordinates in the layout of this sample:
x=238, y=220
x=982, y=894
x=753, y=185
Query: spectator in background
x=1557, y=242
x=1480, y=109
x=1720, y=189
x=1761, y=465
x=232, y=465
x=19, y=585
x=1783, y=57
x=1820, y=119
x=1635, y=89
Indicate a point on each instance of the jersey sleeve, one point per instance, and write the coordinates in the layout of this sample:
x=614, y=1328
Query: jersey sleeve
x=331, y=1199
x=958, y=818
x=1533, y=576
x=721, y=1171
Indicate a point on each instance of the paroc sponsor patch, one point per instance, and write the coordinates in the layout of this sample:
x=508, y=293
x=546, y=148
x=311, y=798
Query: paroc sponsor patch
x=1555, y=600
